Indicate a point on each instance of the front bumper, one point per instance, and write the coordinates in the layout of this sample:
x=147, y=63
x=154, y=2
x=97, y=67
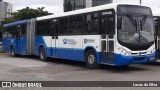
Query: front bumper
x=121, y=60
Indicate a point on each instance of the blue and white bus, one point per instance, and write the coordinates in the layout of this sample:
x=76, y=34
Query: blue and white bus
x=112, y=34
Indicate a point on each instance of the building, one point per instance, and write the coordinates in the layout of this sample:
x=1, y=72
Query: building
x=70, y=5
x=100, y=2
x=5, y=10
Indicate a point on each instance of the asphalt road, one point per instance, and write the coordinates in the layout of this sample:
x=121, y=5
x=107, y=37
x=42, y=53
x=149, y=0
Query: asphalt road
x=29, y=68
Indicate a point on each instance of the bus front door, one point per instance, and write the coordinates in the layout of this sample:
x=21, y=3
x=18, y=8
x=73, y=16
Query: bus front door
x=107, y=27
x=54, y=30
x=157, y=42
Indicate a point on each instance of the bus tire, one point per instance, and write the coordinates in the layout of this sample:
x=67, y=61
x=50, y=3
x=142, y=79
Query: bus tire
x=12, y=52
x=91, y=59
x=42, y=54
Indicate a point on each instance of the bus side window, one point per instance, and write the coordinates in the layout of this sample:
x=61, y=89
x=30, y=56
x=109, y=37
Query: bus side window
x=14, y=31
x=79, y=21
x=1, y=30
x=71, y=26
x=48, y=27
x=19, y=31
x=54, y=28
x=10, y=31
x=110, y=25
x=23, y=30
x=158, y=26
x=41, y=28
x=63, y=26
x=4, y=32
x=91, y=23
x=75, y=24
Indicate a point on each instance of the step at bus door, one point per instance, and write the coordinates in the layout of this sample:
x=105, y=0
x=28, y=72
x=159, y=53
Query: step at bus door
x=54, y=30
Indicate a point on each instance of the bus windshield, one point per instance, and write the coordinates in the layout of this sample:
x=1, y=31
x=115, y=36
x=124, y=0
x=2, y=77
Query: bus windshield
x=135, y=29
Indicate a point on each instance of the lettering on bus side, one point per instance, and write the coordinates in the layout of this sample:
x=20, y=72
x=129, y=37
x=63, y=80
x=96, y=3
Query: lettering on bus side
x=89, y=41
x=69, y=41
x=107, y=12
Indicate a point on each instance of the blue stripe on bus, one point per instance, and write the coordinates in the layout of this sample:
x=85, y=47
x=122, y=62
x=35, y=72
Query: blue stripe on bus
x=15, y=23
x=120, y=60
x=77, y=54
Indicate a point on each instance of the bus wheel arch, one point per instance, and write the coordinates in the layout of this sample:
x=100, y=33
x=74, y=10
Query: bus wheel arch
x=91, y=58
x=42, y=53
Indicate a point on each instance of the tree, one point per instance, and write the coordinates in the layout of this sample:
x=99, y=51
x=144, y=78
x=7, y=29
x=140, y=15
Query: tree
x=26, y=13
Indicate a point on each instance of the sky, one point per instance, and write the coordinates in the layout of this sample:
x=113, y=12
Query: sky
x=56, y=6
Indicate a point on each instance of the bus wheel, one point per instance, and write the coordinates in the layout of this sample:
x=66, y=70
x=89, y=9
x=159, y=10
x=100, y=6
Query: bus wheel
x=42, y=54
x=91, y=59
x=13, y=54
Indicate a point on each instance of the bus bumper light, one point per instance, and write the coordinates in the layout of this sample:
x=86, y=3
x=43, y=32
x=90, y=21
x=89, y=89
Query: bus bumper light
x=152, y=58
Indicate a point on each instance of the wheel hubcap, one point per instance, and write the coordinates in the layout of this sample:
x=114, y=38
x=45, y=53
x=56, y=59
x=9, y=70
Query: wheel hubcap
x=91, y=59
x=42, y=55
x=12, y=52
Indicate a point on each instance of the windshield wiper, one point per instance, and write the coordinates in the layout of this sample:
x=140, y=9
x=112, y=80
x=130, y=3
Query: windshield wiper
x=142, y=22
x=133, y=21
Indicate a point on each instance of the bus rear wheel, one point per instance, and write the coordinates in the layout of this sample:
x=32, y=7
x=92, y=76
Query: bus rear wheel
x=91, y=59
x=12, y=52
x=42, y=54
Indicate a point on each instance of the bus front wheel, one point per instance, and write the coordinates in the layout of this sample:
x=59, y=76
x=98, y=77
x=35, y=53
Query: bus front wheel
x=42, y=54
x=91, y=59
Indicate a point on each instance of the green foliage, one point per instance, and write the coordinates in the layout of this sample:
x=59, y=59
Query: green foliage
x=7, y=20
x=26, y=13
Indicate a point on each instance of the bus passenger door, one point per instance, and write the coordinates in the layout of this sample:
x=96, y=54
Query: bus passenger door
x=54, y=31
x=107, y=28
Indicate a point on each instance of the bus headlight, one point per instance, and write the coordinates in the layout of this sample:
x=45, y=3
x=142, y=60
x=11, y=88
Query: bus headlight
x=153, y=50
x=123, y=52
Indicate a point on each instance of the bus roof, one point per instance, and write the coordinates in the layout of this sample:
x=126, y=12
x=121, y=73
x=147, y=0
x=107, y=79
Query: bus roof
x=15, y=23
x=91, y=9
